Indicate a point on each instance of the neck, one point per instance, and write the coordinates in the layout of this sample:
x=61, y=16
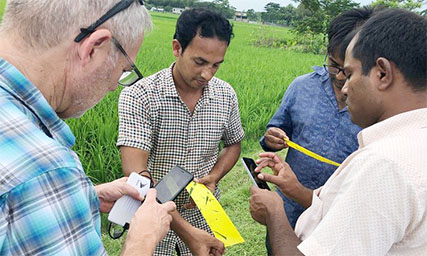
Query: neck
x=405, y=99
x=43, y=70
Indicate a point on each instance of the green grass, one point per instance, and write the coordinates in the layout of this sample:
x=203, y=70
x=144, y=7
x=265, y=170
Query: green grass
x=258, y=75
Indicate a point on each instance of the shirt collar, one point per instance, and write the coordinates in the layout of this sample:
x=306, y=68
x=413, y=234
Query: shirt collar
x=170, y=88
x=15, y=83
x=398, y=124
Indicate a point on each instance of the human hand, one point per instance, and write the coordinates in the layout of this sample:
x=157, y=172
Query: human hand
x=109, y=193
x=209, y=181
x=284, y=178
x=202, y=243
x=152, y=218
x=274, y=138
x=263, y=203
x=148, y=226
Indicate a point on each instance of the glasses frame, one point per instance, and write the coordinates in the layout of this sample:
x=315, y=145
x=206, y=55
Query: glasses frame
x=326, y=67
x=120, y=6
x=131, y=63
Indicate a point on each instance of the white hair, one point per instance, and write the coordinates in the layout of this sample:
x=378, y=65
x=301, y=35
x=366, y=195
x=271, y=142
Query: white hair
x=43, y=24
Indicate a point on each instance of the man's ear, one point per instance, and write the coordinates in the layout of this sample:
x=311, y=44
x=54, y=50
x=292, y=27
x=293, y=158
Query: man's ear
x=176, y=47
x=384, y=73
x=97, y=42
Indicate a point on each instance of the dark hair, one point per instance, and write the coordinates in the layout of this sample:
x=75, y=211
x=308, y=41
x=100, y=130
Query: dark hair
x=206, y=22
x=344, y=24
x=399, y=36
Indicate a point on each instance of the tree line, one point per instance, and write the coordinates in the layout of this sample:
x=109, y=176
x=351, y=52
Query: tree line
x=310, y=16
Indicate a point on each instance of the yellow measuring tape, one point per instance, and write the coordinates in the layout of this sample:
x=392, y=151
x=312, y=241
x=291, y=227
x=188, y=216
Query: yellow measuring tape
x=309, y=153
x=214, y=214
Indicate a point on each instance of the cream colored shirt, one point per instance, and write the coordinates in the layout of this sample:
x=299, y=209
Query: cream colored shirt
x=375, y=203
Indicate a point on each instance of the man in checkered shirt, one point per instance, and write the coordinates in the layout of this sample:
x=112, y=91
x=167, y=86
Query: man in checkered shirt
x=179, y=116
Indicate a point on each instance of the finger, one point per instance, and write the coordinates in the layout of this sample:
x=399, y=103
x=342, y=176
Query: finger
x=127, y=189
x=265, y=163
x=267, y=155
x=278, y=140
x=151, y=195
x=270, y=178
x=254, y=189
x=169, y=206
x=277, y=132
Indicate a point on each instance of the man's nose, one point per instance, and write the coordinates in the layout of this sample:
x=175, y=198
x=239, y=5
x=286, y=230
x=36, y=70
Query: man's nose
x=207, y=73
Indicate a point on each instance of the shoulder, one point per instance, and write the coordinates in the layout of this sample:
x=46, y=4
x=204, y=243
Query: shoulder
x=309, y=80
x=26, y=151
x=221, y=88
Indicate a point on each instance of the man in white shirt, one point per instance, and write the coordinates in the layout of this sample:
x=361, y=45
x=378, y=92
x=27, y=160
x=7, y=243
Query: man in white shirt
x=375, y=203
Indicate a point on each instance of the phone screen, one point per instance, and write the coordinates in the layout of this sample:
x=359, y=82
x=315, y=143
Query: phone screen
x=172, y=184
x=250, y=166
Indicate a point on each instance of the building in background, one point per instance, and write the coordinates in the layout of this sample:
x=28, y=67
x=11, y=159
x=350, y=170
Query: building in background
x=241, y=16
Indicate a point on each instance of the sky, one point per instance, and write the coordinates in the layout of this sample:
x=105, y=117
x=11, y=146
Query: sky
x=258, y=5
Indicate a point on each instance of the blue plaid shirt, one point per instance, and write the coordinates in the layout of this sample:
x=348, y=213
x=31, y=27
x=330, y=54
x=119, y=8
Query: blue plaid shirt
x=310, y=117
x=48, y=206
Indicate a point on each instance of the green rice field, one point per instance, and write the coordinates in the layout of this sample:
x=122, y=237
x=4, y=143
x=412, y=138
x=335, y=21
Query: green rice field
x=258, y=75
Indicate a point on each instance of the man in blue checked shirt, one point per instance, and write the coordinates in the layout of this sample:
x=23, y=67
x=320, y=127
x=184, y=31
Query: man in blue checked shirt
x=54, y=65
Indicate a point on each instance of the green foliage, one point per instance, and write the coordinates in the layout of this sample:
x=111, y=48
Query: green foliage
x=314, y=16
x=410, y=5
x=259, y=75
x=2, y=7
x=274, y=13
x=265, y=36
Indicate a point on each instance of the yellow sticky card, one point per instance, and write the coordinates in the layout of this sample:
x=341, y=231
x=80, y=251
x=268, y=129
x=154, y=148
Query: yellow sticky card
x=215, y=216
x=309, y=153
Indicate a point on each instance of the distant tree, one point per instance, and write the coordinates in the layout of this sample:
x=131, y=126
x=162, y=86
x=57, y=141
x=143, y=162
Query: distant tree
x=252, y=15
x=410, y=5
x=314, y=16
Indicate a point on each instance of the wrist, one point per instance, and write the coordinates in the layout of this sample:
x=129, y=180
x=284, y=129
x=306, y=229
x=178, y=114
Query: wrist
x=139, y=244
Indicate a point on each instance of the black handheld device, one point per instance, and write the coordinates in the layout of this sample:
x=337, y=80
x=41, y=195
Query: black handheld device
x=250, y=166
x=172, y=184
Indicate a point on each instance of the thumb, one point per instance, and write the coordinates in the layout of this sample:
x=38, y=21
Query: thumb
x=169, y=206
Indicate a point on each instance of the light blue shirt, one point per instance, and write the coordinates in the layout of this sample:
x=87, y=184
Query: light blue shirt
x=310, y=117
x=48, y=206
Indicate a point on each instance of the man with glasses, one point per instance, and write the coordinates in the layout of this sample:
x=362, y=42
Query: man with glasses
x=179, y=116
x=55, y=65
x=313, y=115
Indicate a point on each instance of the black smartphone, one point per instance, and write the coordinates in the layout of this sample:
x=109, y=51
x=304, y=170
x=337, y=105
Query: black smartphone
x=250, y=166
x=172, y=184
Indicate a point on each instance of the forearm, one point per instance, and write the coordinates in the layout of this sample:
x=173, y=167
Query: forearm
x=282, y=238
x=133, y=160
x=138, y=245
x=302, y=195
x=181, y=227
x=227, y=159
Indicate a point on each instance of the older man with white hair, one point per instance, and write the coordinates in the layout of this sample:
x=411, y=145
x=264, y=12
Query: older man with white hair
x=58, y=58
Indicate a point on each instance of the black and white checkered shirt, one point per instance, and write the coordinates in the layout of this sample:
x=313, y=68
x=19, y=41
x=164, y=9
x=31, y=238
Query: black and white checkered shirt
x=154, y=118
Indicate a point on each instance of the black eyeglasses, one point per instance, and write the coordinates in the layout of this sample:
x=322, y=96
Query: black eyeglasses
x=120, y=6
x=332, y=69
x=128, y=78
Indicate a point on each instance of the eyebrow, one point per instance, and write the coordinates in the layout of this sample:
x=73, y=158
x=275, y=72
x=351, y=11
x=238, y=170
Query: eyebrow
x=205, y=61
